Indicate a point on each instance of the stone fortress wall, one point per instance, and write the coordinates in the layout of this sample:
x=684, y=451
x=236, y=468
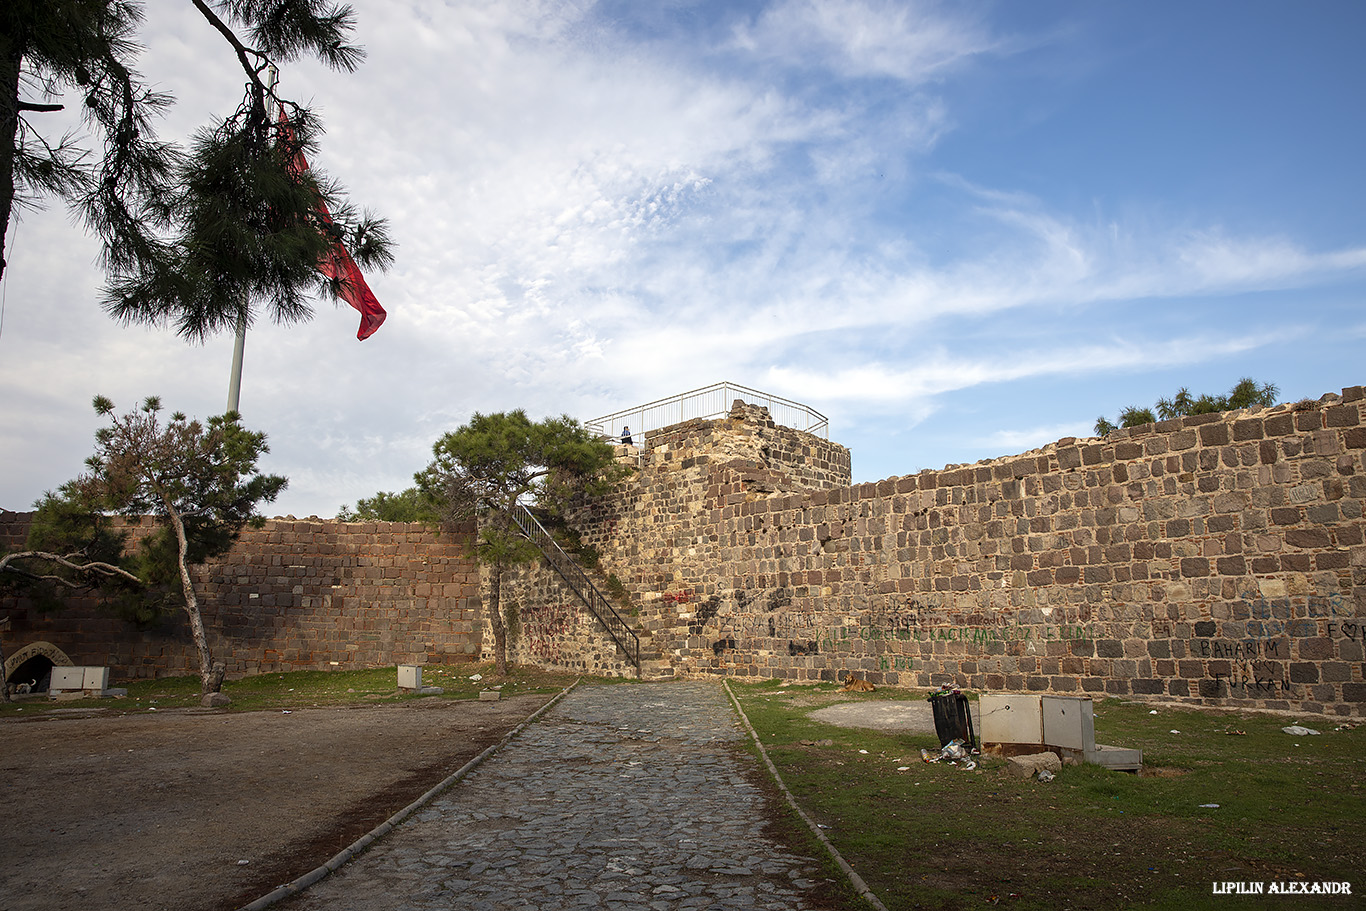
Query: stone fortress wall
x=1215, y=559
x=294, y=595
x=1218, y=559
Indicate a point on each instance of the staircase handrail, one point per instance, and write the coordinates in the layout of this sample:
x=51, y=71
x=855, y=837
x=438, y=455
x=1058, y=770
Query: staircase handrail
x=578, y=580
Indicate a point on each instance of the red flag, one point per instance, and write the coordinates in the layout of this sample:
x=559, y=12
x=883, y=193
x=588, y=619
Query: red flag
x=337, y=264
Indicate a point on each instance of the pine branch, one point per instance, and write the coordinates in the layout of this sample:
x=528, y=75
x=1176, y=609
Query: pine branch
x=253, y=73
x=108, y=570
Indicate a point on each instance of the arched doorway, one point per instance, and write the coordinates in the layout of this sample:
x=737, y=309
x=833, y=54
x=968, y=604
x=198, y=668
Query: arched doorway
x=32, y=665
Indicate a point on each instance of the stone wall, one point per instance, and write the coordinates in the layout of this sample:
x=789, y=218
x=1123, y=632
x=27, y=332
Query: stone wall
x=294, y=595
x=1216, y=559
x=554, y=629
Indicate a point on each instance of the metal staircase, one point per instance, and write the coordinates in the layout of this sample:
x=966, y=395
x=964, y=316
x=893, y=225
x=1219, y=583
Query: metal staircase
x=569, y=570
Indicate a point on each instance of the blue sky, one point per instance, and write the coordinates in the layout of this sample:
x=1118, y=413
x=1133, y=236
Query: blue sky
x=959, y=230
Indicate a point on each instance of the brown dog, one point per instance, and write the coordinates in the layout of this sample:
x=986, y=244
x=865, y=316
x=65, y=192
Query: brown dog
x=854, y=684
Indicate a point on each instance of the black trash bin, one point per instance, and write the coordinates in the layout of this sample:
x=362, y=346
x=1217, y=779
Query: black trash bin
x=953, y=718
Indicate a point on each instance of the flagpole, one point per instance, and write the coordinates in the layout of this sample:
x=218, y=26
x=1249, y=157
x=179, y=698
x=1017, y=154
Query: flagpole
x=235, y=379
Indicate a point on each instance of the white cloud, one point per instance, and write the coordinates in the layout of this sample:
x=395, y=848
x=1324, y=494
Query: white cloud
x=1032, y=437
x=914, y=42
x=588, y=220
x=935, y=371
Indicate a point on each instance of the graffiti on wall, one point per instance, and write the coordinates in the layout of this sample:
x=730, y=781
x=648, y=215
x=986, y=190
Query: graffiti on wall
x=1239, y=651
x=545, y=627
x=977, y=635
x=1351, y=630
x=1246, y=682
x=1271, y=625
x=1294, y=617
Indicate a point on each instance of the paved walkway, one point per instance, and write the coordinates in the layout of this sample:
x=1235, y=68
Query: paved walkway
x=620, y=797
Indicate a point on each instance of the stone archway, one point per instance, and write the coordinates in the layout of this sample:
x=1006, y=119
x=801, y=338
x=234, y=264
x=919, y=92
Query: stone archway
x=37, y=651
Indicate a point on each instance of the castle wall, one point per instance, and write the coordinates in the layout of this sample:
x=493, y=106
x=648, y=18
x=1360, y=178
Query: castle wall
x=1216, y=559
x=293, y=595
x=552, y=627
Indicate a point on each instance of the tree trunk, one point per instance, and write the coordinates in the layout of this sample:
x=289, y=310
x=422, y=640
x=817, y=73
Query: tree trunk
x=500, y=633
x=11, y=55
x=4, y=681
x=207, y=681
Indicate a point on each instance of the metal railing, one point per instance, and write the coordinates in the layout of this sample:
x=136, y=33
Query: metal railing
x=708, y=403
x=577, y=579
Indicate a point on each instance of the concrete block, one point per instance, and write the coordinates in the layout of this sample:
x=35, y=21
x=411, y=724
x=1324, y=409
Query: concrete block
x=96, y=679
x=66, y=679
x=1027, y=766
x=1010, y=718
x=1120, y=759
x=489, y=695
x=410, y=676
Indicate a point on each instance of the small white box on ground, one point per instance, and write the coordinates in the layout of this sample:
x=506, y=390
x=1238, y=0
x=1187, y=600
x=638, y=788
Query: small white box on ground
x=1069, y=725
x=96, y=678
x=1069, y=722
x=66, y=679
x=410, y=676
x=1010, y=718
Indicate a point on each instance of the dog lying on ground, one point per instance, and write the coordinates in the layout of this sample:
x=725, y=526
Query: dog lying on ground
x=854, y=684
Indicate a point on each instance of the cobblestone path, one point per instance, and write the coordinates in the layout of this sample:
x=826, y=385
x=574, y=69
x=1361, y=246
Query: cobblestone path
x=620, y=797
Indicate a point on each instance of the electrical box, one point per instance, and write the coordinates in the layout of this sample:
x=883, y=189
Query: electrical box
x=67, y=679
x=96, y=679
x=1010, y=718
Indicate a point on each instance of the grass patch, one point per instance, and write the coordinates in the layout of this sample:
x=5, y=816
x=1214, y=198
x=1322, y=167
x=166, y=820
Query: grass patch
x=936, y=836
x=307, y=689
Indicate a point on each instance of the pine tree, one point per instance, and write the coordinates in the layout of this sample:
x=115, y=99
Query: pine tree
x=1246, y=393
x=484, y=468
x=200, y=239
x=409, y=505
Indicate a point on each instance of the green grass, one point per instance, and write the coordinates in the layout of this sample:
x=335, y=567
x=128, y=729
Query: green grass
x=305, y=689
x=936, y=836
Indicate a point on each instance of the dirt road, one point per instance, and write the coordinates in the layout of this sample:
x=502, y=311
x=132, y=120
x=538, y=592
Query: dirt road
x=160, y=810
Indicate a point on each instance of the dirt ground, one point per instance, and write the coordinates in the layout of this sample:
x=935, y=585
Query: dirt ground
x=201, y=810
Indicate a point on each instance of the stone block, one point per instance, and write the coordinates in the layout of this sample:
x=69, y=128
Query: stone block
x=1028, y=766
x=1316, y=648
x=1109, y=648
x=1214, y=435
x=1304, y=672
x=1341, y=416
